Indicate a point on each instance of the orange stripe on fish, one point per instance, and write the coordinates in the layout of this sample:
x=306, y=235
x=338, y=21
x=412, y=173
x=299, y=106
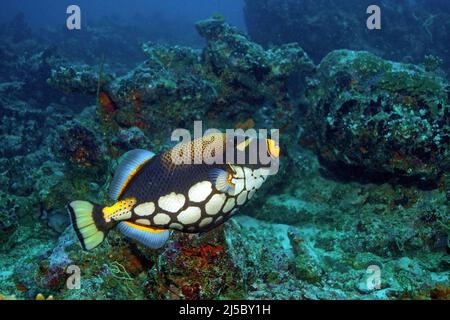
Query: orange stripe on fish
x=142, y=228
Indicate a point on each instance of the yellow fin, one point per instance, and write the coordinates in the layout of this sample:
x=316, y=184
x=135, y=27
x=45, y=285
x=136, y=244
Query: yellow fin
x=87, y=222
x=119, y=211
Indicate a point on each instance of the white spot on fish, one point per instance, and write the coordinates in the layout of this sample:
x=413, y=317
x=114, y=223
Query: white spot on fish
x=205, y=222
x=239, y=185
x=144, y=222
x=229, y=205
x=250, y=183
x=190, y=215
x=239, y=172
x=172, y=202
x=242, y=198
x=248, y=172
x=214, y=205
x=259, y=182
x=145, y=209
x=200, y=191
x=161, y=219
x=263, y=172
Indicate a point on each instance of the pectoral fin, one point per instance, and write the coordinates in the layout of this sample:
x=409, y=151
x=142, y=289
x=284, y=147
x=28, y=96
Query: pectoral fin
x=221, y=180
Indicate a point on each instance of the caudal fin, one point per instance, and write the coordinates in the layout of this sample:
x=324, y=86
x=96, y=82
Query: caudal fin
x=88, y=222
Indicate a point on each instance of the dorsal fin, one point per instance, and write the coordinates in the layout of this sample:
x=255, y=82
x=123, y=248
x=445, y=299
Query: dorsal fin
x=186, y=152
x=131, y=163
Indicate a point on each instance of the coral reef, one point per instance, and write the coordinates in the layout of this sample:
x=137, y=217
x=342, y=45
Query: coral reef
x=177, y=85
x=379, y=116
x=79, y=145
x=310, y=234
x=77, y=79
x=8, y=214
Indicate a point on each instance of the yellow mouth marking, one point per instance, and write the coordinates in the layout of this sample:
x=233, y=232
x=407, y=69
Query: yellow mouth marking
x=121, y=210
x=229, y=178
x=274, y=150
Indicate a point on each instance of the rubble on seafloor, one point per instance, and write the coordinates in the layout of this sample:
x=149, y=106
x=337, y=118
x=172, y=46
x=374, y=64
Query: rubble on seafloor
x=312, y=236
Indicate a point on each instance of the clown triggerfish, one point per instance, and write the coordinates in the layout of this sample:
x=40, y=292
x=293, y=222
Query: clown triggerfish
x=154, y=194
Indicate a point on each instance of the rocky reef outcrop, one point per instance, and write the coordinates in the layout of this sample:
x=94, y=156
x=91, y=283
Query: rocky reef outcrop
x=380, y=117
x=177, y=85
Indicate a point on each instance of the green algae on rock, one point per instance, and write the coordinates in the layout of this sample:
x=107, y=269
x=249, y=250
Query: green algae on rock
x=380, y=116
x=177, y=85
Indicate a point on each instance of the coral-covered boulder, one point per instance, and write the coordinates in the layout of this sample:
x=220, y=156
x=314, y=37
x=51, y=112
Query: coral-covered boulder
x=76, y=78
x=79, y=145
x=164, y=92
x=224, y=84
x=194, y=267
x=246, y=71
x=380, y=116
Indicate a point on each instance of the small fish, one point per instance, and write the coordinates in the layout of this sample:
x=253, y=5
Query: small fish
x=153, y=194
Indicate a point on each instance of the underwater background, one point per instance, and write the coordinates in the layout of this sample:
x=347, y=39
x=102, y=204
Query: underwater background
x=364, y=116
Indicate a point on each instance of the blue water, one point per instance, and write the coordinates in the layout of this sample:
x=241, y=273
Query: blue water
x=53, y=13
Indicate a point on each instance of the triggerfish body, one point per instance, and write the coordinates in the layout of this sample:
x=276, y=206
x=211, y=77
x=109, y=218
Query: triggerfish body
x=153, y=194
